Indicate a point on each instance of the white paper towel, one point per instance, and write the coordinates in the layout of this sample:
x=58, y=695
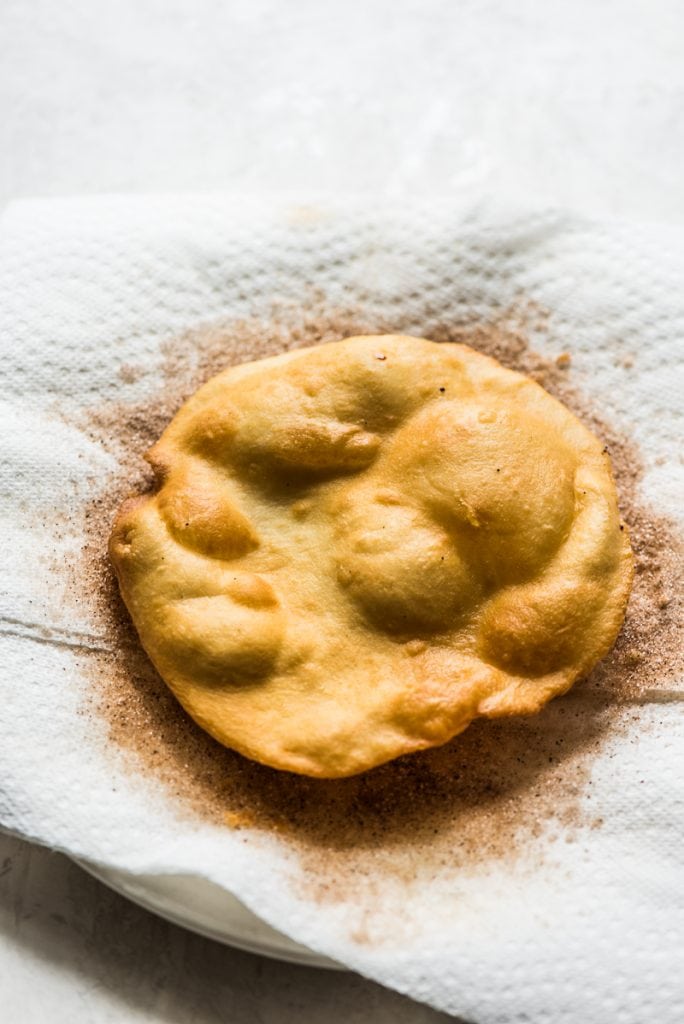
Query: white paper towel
x=558, y=931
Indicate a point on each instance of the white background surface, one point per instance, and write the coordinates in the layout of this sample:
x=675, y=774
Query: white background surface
x=575, y=103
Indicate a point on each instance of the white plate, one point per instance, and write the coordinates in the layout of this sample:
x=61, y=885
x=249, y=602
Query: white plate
x=209, y=910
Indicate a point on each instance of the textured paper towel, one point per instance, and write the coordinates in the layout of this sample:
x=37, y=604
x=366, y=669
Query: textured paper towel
x=583, y=919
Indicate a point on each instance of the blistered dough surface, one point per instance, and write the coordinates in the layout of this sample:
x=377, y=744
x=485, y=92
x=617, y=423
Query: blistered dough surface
x=356, y=549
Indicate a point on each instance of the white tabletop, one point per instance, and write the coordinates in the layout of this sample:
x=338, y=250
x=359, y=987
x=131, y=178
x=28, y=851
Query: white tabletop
x=573, y=103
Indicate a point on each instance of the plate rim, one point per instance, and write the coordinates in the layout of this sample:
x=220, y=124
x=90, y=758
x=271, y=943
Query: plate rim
x=296, y=955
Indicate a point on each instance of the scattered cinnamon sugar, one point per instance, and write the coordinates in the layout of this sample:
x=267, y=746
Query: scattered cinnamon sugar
x=486, y=794
x=130, y=374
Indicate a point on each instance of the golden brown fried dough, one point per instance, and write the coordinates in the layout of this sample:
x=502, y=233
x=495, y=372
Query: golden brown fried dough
x=357, y=549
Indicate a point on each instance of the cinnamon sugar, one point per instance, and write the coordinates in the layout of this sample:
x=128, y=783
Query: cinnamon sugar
x=485, y=794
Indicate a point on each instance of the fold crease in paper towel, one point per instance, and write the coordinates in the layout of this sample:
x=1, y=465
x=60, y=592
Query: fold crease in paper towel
x=579, y=920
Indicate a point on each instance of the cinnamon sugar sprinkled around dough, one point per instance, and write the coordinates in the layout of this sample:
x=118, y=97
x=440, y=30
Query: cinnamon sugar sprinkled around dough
x=130, y=374
x=485, y=794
